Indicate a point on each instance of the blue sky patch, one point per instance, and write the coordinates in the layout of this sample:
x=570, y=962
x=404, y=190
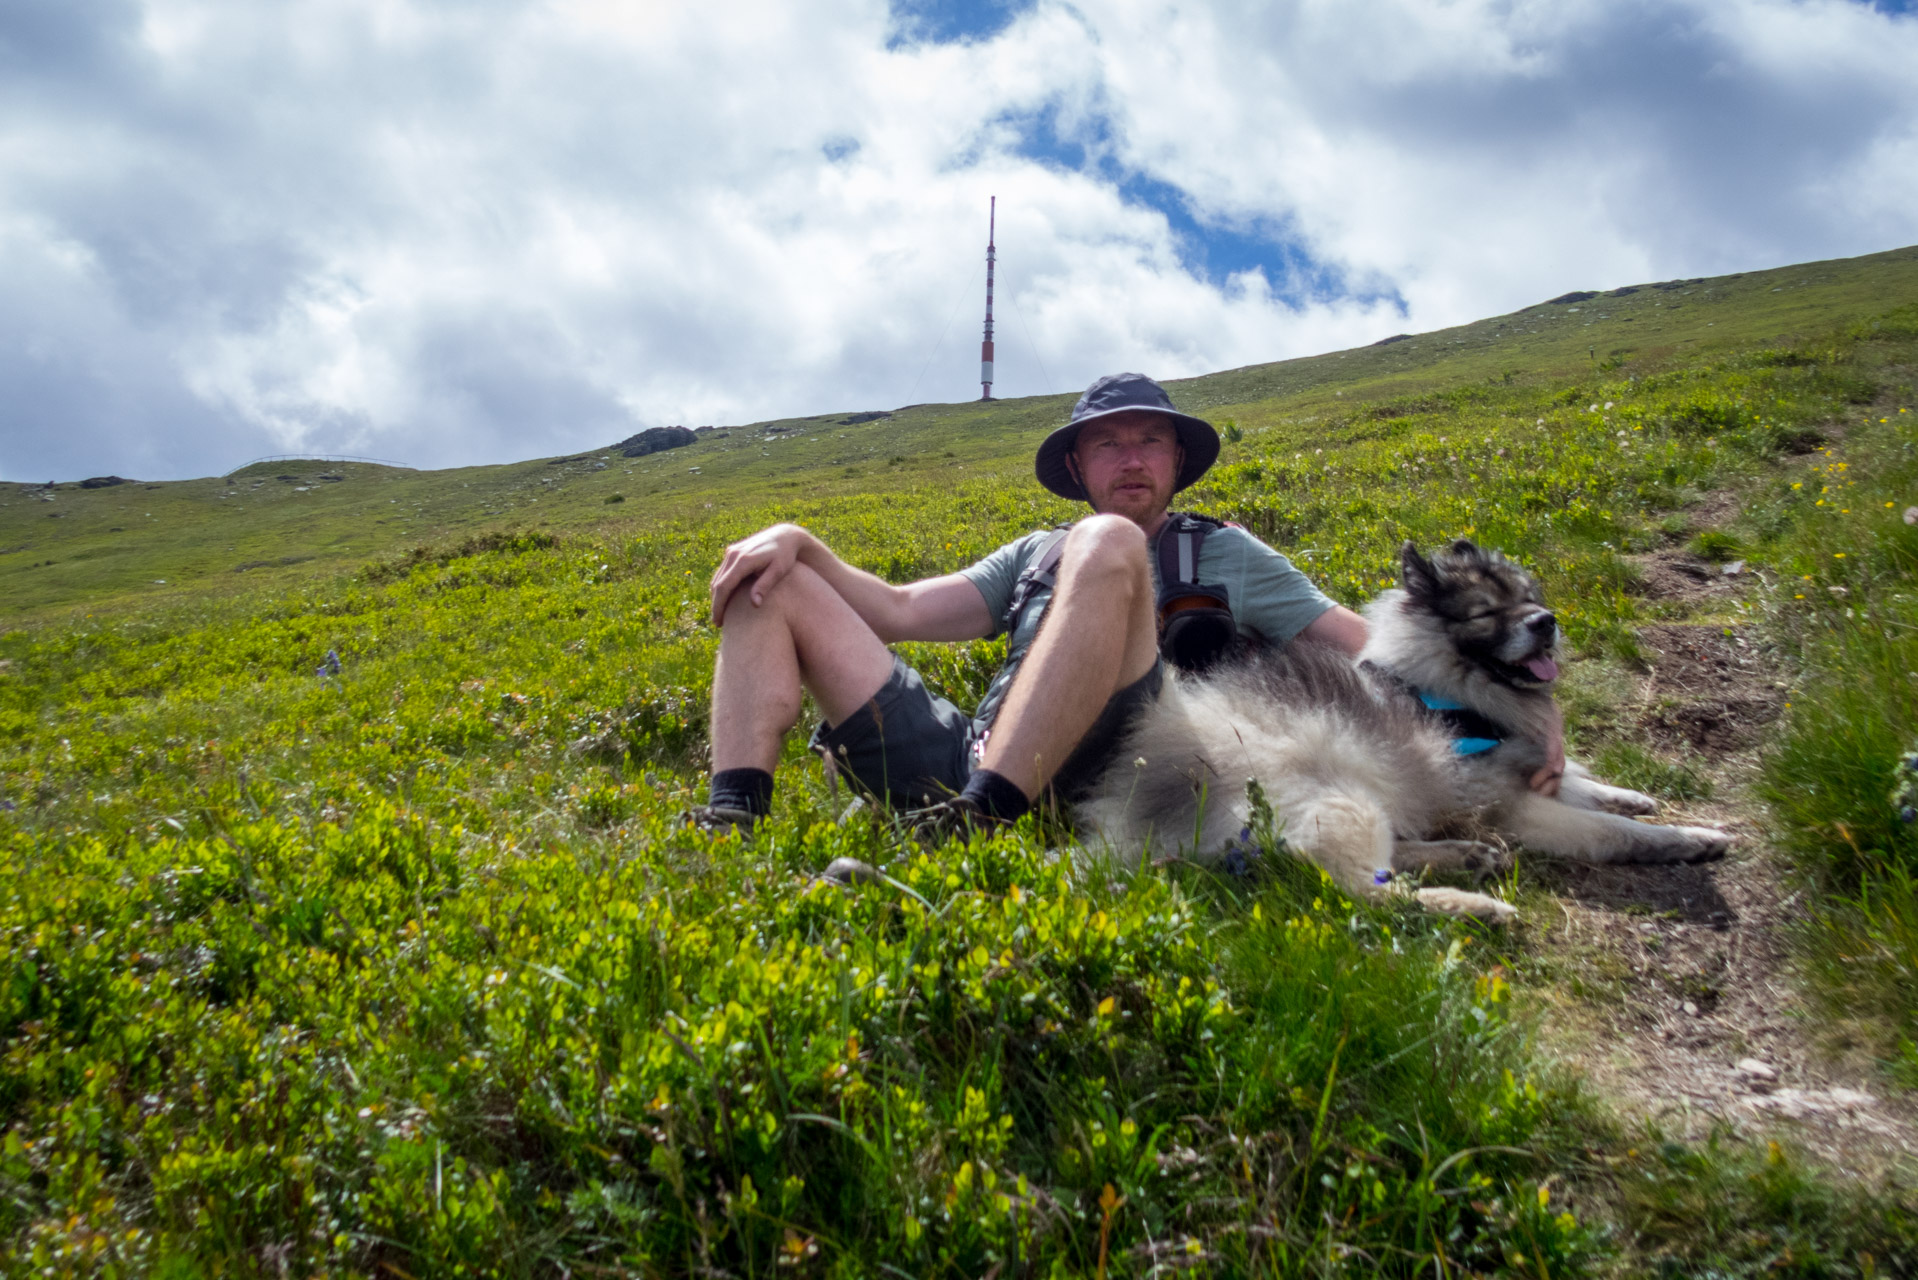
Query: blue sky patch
x=951, y=21
x=1209, y=248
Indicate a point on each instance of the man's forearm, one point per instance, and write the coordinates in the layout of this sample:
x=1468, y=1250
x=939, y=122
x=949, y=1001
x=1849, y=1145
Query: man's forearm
x=878, y=603
x=1338, y=627
x=943, y=608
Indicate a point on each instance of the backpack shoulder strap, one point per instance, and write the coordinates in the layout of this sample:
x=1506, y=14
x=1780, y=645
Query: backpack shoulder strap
x=1042, y=572
x=1179, y=543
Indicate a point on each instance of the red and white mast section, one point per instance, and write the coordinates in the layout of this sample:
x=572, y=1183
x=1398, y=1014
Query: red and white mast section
x=985, y=348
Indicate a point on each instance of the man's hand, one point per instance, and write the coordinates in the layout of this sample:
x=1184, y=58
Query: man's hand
x=1546, y=780
x=758, y=563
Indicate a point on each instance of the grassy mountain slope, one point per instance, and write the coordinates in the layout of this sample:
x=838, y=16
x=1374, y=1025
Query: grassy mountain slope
x=409, y=970
x=144, y=541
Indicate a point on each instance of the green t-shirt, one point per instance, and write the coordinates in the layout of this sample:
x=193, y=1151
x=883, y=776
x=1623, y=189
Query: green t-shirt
x=1271, y=600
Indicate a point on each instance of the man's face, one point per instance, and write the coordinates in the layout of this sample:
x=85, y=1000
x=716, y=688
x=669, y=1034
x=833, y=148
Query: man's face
x=1128, y=464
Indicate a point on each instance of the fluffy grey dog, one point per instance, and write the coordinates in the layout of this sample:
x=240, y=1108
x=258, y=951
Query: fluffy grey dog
x=1412, y=758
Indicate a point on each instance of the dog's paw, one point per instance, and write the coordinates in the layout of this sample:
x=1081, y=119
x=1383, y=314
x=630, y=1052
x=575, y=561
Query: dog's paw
x=1472, y=857
x=1709, y=844
x=1459, y=902
x=1630, y=804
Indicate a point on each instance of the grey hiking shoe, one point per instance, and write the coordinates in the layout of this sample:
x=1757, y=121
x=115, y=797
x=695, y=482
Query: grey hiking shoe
x=847, y=872
x=719, y=820
x=954, y=818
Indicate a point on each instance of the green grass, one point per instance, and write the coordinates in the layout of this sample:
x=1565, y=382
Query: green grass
x=409, y=971
x=1716, y=545
x=1846, y=596
x=1723, y=1209
x=1863, y=948
x=1631, y=764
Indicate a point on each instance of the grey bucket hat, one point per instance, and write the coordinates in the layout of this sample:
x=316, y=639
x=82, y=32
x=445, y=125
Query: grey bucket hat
x=1119, y=393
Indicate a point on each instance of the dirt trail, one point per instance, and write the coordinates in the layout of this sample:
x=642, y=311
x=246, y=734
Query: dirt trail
x=1674, y=993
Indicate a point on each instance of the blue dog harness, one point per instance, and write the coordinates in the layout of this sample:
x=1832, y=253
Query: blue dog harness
x=1472, y=734
x=1467, y=725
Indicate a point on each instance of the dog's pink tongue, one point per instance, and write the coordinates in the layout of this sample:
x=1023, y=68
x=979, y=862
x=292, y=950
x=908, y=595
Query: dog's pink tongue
x=1543, y=668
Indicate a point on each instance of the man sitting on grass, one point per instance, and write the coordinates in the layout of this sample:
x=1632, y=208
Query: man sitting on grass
x=1083, y=656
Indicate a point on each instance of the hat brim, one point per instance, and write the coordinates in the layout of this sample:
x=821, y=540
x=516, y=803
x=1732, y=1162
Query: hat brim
x=1196, y=437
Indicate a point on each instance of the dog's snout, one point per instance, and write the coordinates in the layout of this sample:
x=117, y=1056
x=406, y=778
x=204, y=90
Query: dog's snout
x=1543, y=622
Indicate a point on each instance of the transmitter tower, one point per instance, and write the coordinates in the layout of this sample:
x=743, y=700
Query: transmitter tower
x=985, y=348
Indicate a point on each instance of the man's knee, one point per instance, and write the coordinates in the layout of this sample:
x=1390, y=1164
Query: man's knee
x=1110, y=549
x=794, y=596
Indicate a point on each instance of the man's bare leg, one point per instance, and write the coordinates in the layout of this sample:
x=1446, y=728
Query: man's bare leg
x=803, y=636
x=1099, y=636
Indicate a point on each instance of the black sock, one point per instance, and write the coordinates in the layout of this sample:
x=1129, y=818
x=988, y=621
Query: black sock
x=996, y=796
x=747, y=789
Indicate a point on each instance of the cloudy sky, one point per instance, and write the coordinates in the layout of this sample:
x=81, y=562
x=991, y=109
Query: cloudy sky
x=458, y=231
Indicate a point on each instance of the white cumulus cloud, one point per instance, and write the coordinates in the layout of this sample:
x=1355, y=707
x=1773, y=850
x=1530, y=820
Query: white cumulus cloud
x=448, y=234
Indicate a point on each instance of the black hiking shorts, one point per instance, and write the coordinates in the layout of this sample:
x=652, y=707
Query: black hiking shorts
x=908, y=747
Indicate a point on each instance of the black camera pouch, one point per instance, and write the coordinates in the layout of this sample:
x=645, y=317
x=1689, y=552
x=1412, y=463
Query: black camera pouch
x=1196, y=628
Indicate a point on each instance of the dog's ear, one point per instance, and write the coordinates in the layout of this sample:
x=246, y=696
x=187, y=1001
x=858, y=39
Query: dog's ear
x=1416, y=573
x=1466, y=549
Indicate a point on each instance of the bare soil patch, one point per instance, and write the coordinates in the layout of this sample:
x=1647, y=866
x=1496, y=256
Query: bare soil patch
x=1710, y=688
x=1672, y=989
x=1671, y=978
x=1677, y=575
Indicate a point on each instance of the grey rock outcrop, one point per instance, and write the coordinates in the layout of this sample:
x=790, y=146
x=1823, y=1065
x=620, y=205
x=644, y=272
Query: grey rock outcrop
x=656, y=440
